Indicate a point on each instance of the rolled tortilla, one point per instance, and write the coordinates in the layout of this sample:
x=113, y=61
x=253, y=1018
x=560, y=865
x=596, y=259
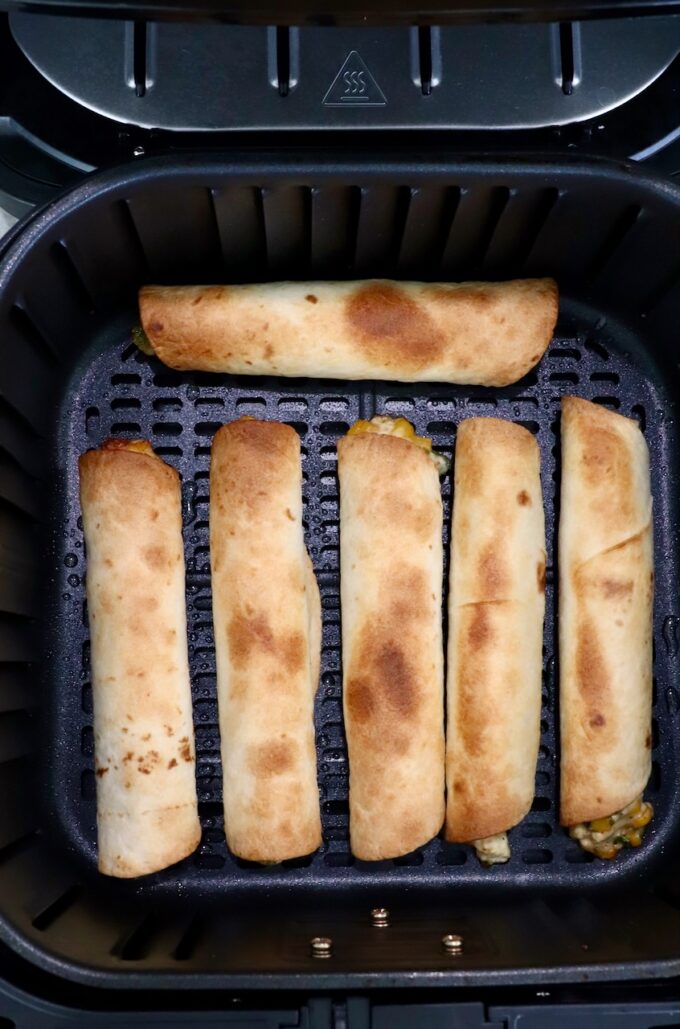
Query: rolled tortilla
x=605, y=623
x=496, y=610
x=267, y=617
x=490, y=333
x=393, y=697
x=147, y=814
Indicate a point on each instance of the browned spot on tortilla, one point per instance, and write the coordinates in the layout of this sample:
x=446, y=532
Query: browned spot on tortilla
x=523, y=498
x=169, y=731
x=172, y=762
x=156, y=557
x=144, y=770
x=608, y=472
x=289, y=514
x=617, y=587
x=392, y=327
x=540, y=576
x=248, y=634
x=292, y=649
x=594, y=683
x=146, y=736
x=124, y=729
x=410, y=589
x=360, y=702
x=268, y=351
x=251, y=634
x=493, y=578
x=459, y=786
x=479, y=629
x=648, y=741
x=597, y=720
x=102, y=771
x=185, y=749
x=272, y=758
x=108, y=562
x=128, y=757
x=385, y=682
x=155, y=326
x=311, y=299
x=197, y=300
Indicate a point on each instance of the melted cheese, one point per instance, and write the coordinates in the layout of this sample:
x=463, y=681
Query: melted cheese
x=382, y=425
x=493, y=850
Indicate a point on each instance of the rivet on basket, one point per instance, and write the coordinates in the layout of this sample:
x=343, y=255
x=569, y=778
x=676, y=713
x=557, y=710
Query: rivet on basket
x=321, y=947
x=452, y=943
x=380, y=917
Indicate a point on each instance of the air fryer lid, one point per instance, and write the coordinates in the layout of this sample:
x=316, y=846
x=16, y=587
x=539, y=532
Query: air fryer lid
x=352, y=12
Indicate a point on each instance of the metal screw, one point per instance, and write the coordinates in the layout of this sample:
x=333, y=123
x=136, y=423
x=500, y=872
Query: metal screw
x=322, y=947
x=452, y=943
x=380, y=917
x=138, y=151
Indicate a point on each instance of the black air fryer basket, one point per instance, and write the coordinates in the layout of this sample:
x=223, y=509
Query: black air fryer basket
x=71, y=377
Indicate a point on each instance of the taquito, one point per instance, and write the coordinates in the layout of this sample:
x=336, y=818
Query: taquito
x=267, y=618
x=393, y=681
x=496, y=609
x=147, y=813
x=605, y=627
x=490, y=333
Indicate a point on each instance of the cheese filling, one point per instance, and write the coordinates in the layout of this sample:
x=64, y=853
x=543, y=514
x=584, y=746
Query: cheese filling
x=606, y=837
x=493, y=850
x=402, y=428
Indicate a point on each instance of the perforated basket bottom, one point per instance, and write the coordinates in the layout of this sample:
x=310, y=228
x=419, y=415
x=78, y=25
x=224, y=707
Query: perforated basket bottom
x=122, y=393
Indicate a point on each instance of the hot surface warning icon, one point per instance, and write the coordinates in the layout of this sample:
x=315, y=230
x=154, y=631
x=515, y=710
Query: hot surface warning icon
x=354, y=86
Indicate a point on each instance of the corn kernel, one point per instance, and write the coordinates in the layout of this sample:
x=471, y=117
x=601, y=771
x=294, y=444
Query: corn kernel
x=634, y=838
x=400, y=427
x=600, y=825
x=607, y=851
x=635, y=808
x=642, y=819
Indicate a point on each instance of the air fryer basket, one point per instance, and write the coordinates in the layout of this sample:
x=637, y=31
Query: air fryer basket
x=71, y=377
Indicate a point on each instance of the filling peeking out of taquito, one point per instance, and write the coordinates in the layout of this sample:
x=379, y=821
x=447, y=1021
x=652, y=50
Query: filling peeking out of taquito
x=383, y=425
x=605, y=620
